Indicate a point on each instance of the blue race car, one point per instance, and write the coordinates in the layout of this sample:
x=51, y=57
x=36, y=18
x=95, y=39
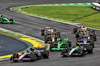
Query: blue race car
x=34, y=54
x=84, y=41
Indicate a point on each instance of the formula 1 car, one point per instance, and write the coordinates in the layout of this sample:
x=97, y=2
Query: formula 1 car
x=77, y=27
x=84, y=41
x=51, y=37
x=32, y=55
x=88, y=34
x=92, y=34
x=4, y=20
x=48, y=31
x=60, y=44
x=81, y=31
x=77, y=51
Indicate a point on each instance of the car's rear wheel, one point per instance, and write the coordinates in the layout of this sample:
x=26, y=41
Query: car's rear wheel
x=74, y=30
x=92, y=44
x=77, y=35
x=42, y=32
x=90, y=49
x=45, y=54
x=69, y=43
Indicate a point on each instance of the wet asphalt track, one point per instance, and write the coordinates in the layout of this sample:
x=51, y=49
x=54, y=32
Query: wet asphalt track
x=31, y=26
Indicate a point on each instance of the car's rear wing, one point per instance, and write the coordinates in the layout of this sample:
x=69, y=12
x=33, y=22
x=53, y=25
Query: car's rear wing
x=58, y=39
x=48, y=27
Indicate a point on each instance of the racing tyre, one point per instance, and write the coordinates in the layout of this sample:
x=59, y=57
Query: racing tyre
x=92, y=44
x=77, y=35
x=65, y=51
x=58, y=33
x=2, y=22
x=15, y=56
x=33, y=56
x=94, y=37
x=89, y=49
x=11, y=20
x=39, y=57
x=74, y=30
x=45, y=54
x=55, y=30
x=46, y=41
x=69, y=42
x=82, y=53
x=15, y=60
x=42, y=32
x=64, y=55
x=51, y=46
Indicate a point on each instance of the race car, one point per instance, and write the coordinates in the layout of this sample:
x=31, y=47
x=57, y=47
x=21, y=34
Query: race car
x=44, y=51
x=60, y=44
x=32, y=55
x=24, y=57
x=85, y=31
x=85, y=41
x=78, y=27
x=4, y=20
x=77, y=51
x=81, y=32
x=92, y=34
x=51, y=37
x=46, y=29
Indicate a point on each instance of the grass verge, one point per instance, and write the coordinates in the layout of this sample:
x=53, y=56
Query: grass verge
x=80, y=14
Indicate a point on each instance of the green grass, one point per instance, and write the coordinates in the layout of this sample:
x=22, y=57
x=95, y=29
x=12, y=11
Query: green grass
x=67, y=13
x=91, y=21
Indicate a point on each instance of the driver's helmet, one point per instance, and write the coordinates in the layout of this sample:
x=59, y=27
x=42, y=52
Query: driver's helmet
x=88, y=37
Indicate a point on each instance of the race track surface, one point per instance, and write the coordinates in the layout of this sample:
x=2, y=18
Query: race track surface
x=10, y=45
x=31, y=26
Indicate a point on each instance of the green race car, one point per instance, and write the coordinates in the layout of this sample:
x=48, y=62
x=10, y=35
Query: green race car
x=60, y=44
x=4, y=20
